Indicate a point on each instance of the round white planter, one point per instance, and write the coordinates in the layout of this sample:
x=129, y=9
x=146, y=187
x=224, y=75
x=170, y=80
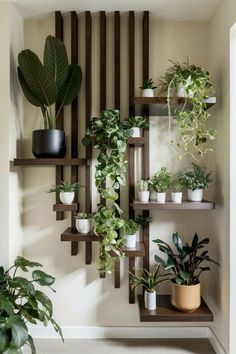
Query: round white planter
x=176, y=197
x=83, y=226
x=161, y=198
x=196, y=195
x=181, y=91
x=130, y=241
x=148, y=93
x=150, y=300
x=136, y=132
x=144, y=196
x=67, y=197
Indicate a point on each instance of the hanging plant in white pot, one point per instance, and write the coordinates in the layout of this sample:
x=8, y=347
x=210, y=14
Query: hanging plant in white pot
x=136, y=124
x=161, y=182
x=143, y=190
x=66, y=191
x=148, y=88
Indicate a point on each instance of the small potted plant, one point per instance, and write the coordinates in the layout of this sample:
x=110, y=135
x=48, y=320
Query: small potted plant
x=67, y=191
x=149, y=280
x=185, y=264
x=161, y=182
x=148, y=88
x=142, y=220
x=176, y=191
x=83, y=222
x=143, y=190
x=47, y=83
x=136, y=124
x=195, y=180
x=130, y=229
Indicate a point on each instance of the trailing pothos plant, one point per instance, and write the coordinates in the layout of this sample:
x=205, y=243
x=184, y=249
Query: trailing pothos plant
x=107, y=134
x=21, y=302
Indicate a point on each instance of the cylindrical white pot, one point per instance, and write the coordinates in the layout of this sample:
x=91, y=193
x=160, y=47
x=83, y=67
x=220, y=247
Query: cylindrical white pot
x=181, y=91
x=83, y=226
x=136, y=132
x=148, y=93
x=130, y=241
x=150, y=300
x=176, y=197
x=161, y=197
x=67, y=197
x=144, y=196
x=196, y=195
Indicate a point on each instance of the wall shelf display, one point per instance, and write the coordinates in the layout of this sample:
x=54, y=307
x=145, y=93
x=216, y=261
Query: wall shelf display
x=168, y=205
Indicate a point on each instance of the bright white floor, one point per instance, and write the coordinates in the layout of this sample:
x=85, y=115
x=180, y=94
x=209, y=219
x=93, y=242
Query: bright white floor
x=124, y=346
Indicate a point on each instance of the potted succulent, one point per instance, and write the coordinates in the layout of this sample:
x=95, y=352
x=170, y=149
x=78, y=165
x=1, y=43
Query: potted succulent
x=136, y=124
x=161, y=182
x=195, y=180
x=176, y=191
x=66, y=191
x=83, y=222
x=142, y=220
x=22, y=302
x=148, y=88
x=45, y=84
x=143, y=190
x=185, y=264
x=130, y=229
x=149, y=280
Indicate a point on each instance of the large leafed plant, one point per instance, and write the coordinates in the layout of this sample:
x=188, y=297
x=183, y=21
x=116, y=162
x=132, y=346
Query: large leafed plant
x=50, y=82
x=107, y=134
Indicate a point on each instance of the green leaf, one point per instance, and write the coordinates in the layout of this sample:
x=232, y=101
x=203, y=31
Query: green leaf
x=6, y=304
x=184, y=275
x=56, y=60
x=19, y=331
x=37, y=77
x=71, y=86
x=22, y=284
x=195, y=242
x=57, y=328
x=23, y=263
x=27, y=91
x=42, y=278
x=160, y=260
x=45, y=301
x=4, y=337
x=177, y=242
x=31, y=344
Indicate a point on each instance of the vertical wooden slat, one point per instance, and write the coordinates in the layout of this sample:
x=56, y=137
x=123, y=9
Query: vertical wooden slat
x=74, y=120
x=131, y=270
x=88, y=103
x=59, y=123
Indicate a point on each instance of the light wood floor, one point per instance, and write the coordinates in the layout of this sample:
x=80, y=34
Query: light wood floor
x=123, y=346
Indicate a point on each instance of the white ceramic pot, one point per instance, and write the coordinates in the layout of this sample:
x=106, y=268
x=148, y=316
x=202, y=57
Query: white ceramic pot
x=130, y=241
x=67, y=197
x=150, y=300
x=136, y=132
x=196, y=195
x=148, y=93
x=176, y=197
x=181, y=91
x=144, y=196
x=83, y=226
x=161, y=198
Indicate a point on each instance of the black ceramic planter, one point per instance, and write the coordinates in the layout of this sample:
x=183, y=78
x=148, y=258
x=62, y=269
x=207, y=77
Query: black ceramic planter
x=48, y=143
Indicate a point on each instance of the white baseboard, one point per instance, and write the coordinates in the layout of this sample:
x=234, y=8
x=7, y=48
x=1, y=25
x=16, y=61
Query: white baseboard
x=121, y=332
x=215, y=342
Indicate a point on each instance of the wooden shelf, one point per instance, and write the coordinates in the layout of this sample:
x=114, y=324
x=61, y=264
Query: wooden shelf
x=185, y=205
x=137, y=141
x=165, y=312
x=71, y=234
x=51, y=162
x=66, y=207
x=138, y=251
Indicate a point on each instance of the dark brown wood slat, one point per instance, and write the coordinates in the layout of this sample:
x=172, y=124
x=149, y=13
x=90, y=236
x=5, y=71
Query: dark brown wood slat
x=65, y=207
x=137, y=141
x=51, y=162
x=88, y=104
x=59, y=123
x=132, y=270
x=71, y=234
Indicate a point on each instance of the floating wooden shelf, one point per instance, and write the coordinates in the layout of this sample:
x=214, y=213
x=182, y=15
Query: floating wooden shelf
x=137, y=141
x=185, y=205
x=51, y=162
x=138, y=251
x=71, y=234
x=66, y=207
x=165, y=312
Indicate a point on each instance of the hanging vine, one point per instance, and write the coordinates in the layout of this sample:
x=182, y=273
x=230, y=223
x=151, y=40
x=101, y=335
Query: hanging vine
x=107, y=134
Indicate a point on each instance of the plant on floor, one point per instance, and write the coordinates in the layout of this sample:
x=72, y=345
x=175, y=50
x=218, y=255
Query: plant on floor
x=131, y=227
x=107, y=134
x=148, y=84
x=196, y=177
x=143, y=185
x=193, y=132
x=143, y=220
x=21, y=303
x=66, y=187
x=161, y=180
x=53, y=81
x=139, y=122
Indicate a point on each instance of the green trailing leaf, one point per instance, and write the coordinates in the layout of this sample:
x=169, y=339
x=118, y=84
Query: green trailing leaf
x=31, y=344
x=24, y=264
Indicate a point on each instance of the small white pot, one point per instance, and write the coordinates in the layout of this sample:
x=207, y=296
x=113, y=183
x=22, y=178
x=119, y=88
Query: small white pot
x=67, y=197
x=150, y=300
x=161, y=198
x=130, y=241
x=181, y=91
x=196, y=195
x=83, y=226
x=176, y=197
x=148, y=93
x=136, y=132
x=144, y=196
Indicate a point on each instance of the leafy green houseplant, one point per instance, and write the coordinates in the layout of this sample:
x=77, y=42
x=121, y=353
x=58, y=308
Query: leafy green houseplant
x=148, y=88
x=136, y=124
x=47, y=83
x=195, y=180
x=83, y=222
x=185, y=263
x=66, y=191
x=107, y=134
x=143, y=190
x=149, y=280
x=130, y=229
x=176, y=190
x=21, y=302
x=194, y=84
x=161, y=182
x=142, y=220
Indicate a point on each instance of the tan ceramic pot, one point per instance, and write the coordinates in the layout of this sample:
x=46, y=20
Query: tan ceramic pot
x=186, y=298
